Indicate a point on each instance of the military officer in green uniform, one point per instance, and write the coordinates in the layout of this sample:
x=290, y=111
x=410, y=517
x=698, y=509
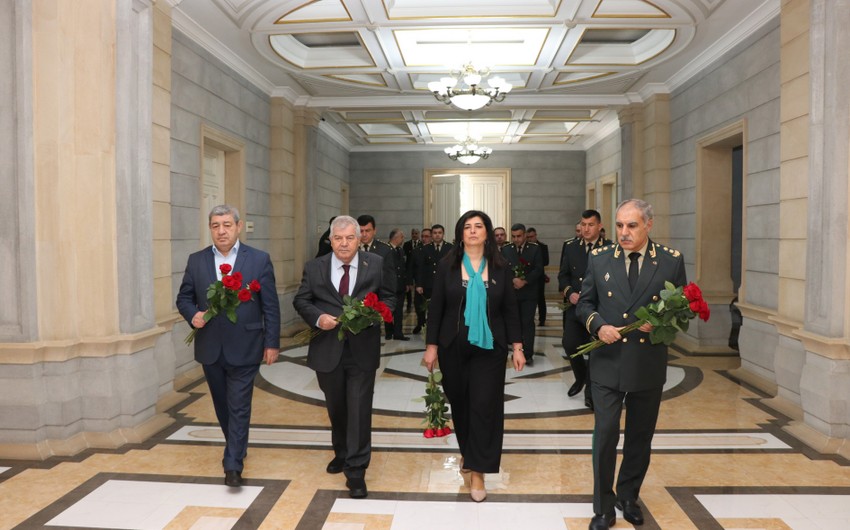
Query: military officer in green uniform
x=629, y=369
x=574, y=256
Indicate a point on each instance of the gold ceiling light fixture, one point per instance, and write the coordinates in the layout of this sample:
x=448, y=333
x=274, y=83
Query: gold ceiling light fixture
x=468, y=151
x=470, y=88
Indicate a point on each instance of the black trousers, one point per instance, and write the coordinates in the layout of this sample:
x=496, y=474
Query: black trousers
x=541, y=302
x=527, y=307
x=574, y=336
x=474, y=382
x=420, y=301
x=348, y=398
x=232, y=390
x=641, y=417
x=396, y=328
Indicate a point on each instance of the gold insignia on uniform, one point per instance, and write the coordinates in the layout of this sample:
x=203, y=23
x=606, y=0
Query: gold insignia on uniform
x=655, y=298
x=610, y=294
x=652, y=251
x=625, y=315
x=655, y=263
x=607, y=276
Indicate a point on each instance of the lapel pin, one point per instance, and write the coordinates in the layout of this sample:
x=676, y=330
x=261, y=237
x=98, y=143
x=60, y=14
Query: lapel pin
x=607, y=276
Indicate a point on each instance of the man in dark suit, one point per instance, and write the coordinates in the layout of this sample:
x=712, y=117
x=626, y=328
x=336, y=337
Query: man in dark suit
x=231, y=353
x=621, y=278
x=345, y=369
x=531, y=235
x=574, y=255
x=524, y=256
x=417, y=263
x=395, y=330
x=429, y=257
x=409, y=246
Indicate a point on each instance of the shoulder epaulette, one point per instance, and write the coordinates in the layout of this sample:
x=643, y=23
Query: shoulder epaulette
x=570, y=241
x=672, y=251
x=600, y=250
x=531, y=243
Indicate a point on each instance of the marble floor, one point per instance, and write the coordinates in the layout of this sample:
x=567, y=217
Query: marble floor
x=721, y=460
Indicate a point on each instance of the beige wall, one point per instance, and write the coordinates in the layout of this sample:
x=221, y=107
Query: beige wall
x=794, y=157
x=74, y=167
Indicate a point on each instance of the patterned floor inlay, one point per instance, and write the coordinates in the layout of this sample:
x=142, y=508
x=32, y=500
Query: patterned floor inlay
x=157, y=502
x=548, y=441
x=330, y=510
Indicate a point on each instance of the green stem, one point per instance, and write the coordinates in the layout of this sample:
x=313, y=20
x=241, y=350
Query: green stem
x=590, y=346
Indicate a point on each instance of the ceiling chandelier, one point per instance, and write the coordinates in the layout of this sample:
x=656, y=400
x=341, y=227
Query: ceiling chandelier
x=468, y=151
x=464, y=89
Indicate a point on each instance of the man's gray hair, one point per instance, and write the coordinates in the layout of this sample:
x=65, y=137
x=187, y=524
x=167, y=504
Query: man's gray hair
x=394, y=232
x=644, y=207
x=343, y=221
x=224, y=209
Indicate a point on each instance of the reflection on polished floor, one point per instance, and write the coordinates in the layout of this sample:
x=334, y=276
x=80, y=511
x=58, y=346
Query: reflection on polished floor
x=721, y=460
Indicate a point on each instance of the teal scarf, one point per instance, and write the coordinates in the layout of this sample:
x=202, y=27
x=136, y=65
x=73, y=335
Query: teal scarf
x=476, y=307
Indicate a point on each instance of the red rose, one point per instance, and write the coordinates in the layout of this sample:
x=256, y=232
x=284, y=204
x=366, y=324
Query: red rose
x=370, y=300
x=230, y=282
x=694, y=306
x=386, y=314
x=524, y=262
x=440, y=432
x=254, y=286
x=704, y=311
x=238, y=277
x=244, y=295
x=429, y=433
x=225, y=269
x=692, y=292
x=447, y=431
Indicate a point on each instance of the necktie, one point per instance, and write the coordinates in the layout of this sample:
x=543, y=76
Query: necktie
x=633, y=269
x=343, y=282
x=438, y=248
x=587, y=248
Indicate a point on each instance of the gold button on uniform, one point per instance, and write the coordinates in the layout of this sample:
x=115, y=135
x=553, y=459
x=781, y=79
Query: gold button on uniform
x=625, y=315
x=642, y=341
x=610, y=294
x=625, y=339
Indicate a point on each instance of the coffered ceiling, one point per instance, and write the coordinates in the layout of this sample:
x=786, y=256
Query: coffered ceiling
x=365, y=64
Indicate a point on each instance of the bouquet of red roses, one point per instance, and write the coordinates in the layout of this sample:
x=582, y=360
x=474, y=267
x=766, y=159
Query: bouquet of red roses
x=225, y=295
x=356, y=316
x=436, y=424
x=521, y=269
x=669, y=315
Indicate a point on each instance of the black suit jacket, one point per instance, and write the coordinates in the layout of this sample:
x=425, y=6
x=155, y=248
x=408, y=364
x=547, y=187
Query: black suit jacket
x=633, y=363
x=573, y=266
x=317, y=295
x=426, y=267
x=257, y=322
x=534, y=274
x=448, y=300
x=401, y=270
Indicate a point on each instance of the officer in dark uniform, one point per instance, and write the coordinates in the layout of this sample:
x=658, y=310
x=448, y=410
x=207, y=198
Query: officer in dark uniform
x=396, y=329
x=525, y=256
x=368, y=243
x=426, y=267
x=417, y=263
x=573, y=266
x=629, y=369
x=409, y=246
x=325, y=240
x=541, y=286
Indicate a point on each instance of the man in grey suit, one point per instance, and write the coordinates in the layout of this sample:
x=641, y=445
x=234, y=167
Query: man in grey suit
x=345, y=369
x=621, y=278
x=231, y=353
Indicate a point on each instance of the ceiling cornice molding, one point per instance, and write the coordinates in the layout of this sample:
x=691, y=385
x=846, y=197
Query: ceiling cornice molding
x=207, y=41
x=601, y=133
x=286, y=93
x=329, y=129
x=171, y=3
x=757, y=18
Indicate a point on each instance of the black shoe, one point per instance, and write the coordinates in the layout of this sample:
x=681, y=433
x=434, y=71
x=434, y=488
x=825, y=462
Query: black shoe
x=631, y=511
x=588, y=402
x=336, y=465
x=233, y=479
x=529, y=361
x=575, y=388
x=602, y=522
x=401, y=337
x=417, y=329
x=356, y=488
x=389, y=337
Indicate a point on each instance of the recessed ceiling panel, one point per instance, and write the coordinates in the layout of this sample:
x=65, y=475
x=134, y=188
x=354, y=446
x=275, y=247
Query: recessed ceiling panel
x=417, y=9
x=628, y=9
x=316, y=11
x=653, y=43
x=452, y=115
x=474, y=129
x=484, y=47
x=361, y=79
x=322, y=50
x=387, y=129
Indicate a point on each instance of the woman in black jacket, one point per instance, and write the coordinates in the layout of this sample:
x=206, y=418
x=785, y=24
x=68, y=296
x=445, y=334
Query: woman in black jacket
x=472, y=321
